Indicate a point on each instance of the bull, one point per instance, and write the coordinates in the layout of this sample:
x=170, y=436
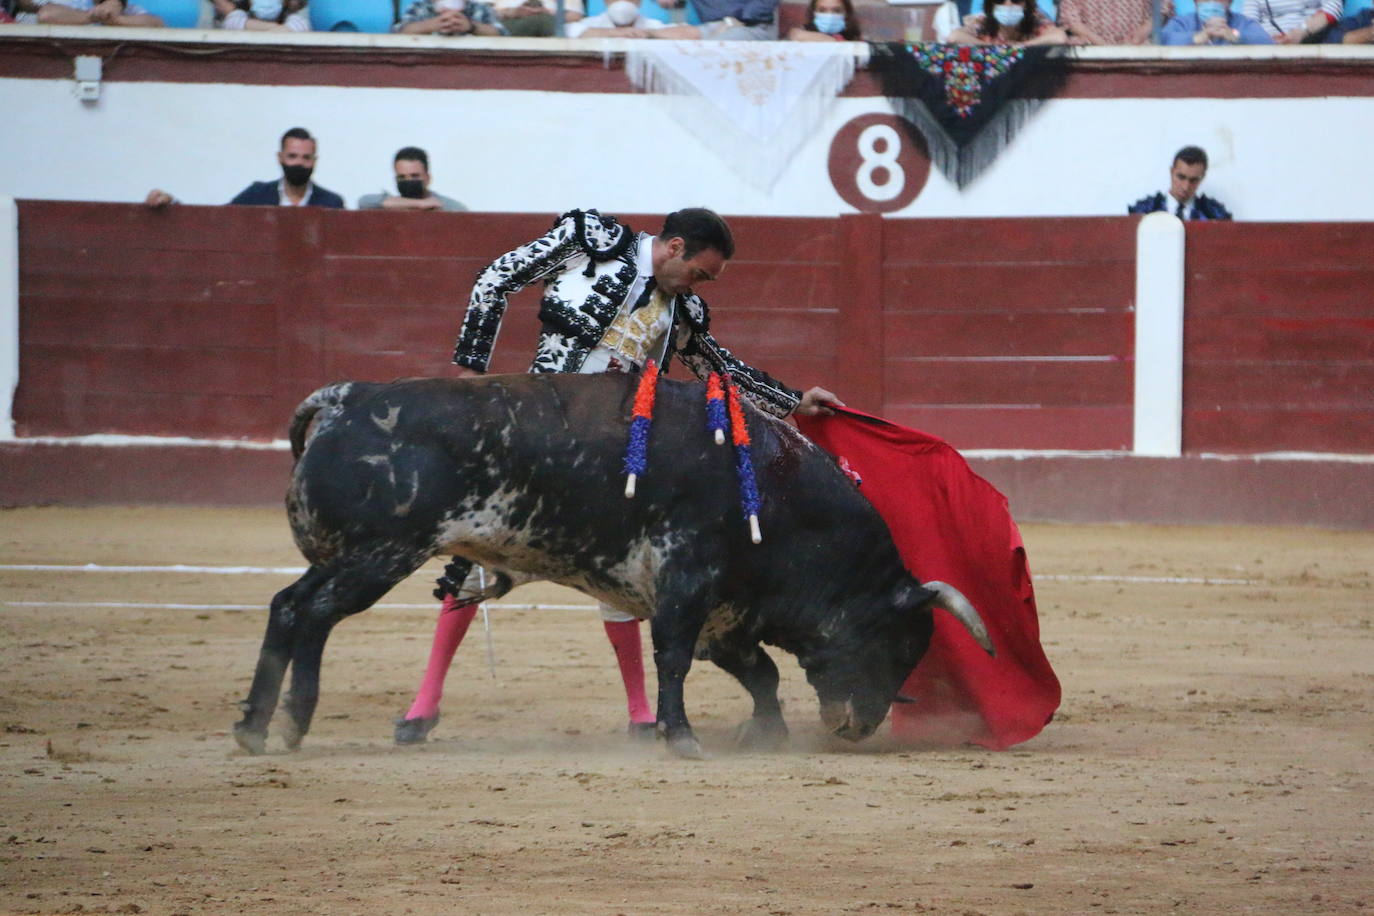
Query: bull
x=521, y=474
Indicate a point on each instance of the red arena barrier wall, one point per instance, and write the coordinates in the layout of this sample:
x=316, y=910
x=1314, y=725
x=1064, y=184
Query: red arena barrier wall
x=216, y=321
x=212, y=323
x=1279, y=338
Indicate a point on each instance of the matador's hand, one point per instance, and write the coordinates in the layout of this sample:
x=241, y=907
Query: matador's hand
x=814, y=401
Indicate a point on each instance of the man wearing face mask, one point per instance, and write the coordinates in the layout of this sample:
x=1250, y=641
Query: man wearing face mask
x=622, y=19
x=261, y=15
x=412, y=187
x=294, y=189
x=1213, y=23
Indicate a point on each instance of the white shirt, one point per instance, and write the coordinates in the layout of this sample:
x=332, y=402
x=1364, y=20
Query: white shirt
x=284, y=201
x=647, y=328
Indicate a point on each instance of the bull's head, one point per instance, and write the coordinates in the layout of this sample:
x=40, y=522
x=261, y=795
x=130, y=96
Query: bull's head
x=857, y=677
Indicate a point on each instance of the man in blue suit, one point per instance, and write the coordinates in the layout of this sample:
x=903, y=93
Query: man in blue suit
x=294, y=189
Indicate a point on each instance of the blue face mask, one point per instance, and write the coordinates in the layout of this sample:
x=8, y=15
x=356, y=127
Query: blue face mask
x=829, y=23
x=1009, y=16
x=1207, y=11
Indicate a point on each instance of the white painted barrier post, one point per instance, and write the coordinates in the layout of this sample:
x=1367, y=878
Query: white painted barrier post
x=1158, y=414
x=9, y=313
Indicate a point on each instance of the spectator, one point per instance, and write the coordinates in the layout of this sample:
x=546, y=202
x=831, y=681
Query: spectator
x=730, y=20
x=535, y=18
x=827, y=20
x=620, y=19
x=1213, y=23
x=1183, y=200
x=23, y=12
x=624, y=19
x=261, y=15
x=1110, y=22
x=295, y=189
x=1009, y=22
x=412, y=187
x=1291, y=22
x=449, y=17
x=91, y=12
x=1354, y=30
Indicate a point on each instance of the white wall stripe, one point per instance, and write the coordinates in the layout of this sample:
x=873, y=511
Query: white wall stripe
x=174, y=568
x=433, y=605
x=298, y=570
x=1148, y=580
x=9, y=314
x=105, y=440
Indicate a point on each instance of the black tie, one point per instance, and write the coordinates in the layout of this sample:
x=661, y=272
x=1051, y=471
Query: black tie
x=1179, y=212
x=645, y=296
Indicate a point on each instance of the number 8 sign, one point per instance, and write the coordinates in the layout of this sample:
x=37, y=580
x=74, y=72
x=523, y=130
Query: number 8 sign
x=878, y=163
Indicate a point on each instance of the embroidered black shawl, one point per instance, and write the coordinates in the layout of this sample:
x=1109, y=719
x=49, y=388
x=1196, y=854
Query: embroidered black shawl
x=968, y=101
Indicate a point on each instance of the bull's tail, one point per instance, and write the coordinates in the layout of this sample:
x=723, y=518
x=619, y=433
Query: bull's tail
x=953, y=600
x=328, y=399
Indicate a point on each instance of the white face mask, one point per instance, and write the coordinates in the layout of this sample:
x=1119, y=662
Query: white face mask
x=267, y=9
x=623, y=12
x=829, y=23
x=1009, y=16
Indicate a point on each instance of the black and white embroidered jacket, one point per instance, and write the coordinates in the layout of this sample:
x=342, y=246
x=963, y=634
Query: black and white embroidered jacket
x=588, y=263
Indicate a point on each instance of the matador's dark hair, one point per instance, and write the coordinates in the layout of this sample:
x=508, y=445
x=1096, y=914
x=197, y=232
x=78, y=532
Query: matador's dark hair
x=700, y=229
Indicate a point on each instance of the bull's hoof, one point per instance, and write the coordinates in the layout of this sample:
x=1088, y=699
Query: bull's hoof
x=757, y=734
x=253, y=742
x=686, y=746
x=642, y=731
x=414, y=731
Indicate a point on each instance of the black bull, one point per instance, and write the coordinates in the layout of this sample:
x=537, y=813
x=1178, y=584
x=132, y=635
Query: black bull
x=522, y=474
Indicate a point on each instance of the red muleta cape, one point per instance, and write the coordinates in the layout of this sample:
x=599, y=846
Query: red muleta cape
x=953, y=526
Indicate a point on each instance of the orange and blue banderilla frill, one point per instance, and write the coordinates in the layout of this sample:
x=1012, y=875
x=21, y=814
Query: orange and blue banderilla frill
x=715, y=407
x=637, y=452
x=744, y=462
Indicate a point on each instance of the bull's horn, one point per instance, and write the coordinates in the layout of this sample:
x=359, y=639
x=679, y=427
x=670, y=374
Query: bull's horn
x=953, y=600
x=899, y=698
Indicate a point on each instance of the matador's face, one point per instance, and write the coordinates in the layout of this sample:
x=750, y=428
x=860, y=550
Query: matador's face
x=677, y=275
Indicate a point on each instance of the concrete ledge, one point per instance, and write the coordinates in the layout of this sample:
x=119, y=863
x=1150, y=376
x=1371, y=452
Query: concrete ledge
x=1208, y=490
x=88, y=475
x=1311, y=491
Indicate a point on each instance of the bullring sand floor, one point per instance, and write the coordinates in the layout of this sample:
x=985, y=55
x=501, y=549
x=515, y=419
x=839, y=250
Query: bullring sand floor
x=1211, y=755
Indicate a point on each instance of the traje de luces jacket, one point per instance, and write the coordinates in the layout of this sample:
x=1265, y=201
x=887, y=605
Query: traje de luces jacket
x=588, y=263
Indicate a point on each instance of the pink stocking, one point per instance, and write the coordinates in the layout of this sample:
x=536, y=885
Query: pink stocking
x=629, y=653
x=448, y=634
